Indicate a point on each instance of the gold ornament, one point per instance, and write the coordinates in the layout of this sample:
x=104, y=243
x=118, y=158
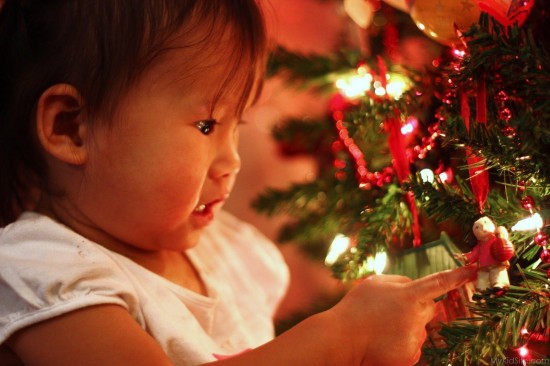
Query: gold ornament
x=440, y=19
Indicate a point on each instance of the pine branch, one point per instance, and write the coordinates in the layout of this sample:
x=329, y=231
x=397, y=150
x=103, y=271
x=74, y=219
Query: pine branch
x=444, y=202
x=516, y=66
x=311, y=70
x=499, y=324
x=383, y=227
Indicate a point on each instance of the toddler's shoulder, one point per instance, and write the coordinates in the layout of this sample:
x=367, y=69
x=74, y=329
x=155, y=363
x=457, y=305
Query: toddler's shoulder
x=48, y=270
x=41, y=246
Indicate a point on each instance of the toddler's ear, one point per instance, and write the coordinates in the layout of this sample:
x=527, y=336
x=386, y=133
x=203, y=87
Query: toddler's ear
x=60, y=124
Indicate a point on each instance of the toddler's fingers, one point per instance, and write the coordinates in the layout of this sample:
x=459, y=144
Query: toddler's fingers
x=437, y=284
x=389, y=278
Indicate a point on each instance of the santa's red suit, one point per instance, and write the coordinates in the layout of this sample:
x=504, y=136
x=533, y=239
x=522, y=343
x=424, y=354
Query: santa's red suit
x=489, y=256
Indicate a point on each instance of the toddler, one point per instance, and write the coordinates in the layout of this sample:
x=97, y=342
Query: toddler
x=118, y=147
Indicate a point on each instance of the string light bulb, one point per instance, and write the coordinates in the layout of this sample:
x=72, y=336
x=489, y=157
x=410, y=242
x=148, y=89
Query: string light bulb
x=534, y=222
x=359, y=82
x=339, y=246
x=377, y=263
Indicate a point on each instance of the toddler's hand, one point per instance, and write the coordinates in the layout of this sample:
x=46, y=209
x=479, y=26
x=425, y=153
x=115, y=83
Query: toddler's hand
x=382, y=319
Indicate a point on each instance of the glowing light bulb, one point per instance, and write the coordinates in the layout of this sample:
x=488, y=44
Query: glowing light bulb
x=380, y=261
x=531, y=223
x=377, y=264
x=356, y=84
x=406, y=129
x=427, y=175
x=380, y=91
x=458, y=53
x=338, y=246
x=523, y=352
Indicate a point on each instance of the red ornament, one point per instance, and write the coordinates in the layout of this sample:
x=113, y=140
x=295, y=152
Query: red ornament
x=541, y=239
x=545, y=256
x=505, y=114
x=502, y=250
x=501, y=97
x=507, y=12
x=528, y=202
x=509, y=132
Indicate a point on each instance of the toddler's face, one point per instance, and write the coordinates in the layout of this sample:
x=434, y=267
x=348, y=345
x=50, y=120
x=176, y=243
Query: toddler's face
x=158, y=175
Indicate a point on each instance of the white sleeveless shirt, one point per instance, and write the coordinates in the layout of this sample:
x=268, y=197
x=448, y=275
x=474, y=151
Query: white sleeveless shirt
x=47, y=270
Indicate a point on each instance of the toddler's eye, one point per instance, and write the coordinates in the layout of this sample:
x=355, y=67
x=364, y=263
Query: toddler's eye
x=206, y=126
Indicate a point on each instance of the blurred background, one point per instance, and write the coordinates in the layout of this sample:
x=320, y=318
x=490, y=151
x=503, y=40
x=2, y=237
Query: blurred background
x=305, y=26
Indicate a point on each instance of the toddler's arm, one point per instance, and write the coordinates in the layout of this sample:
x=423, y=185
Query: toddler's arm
x=379, y=322
x=96, y=335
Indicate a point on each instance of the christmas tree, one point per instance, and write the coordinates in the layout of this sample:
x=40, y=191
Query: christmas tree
x=404, y=155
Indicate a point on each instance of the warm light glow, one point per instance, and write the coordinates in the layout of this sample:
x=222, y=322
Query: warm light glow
x=523, y=352
x=531, y=223
x=427, y=175
x=380, y=91
x=377, y=264
x=354, y=86
x=409, y=126
x=338, y=246
x=458, y=53
x=406, y=129
x=397, y=85
x=357, y=84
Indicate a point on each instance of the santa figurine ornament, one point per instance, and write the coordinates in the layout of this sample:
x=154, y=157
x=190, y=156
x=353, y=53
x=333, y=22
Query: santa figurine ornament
x=491, y=253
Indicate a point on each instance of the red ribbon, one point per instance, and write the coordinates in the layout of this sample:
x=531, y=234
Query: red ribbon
x=396, y=142
x=479, y=178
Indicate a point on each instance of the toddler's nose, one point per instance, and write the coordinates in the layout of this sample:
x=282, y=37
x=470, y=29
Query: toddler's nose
x=227, y=163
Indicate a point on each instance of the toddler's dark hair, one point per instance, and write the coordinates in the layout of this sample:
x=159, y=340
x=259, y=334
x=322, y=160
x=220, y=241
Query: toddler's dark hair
x=101, y=47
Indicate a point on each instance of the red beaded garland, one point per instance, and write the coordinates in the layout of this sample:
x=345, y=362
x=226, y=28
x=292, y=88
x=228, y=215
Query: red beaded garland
x=505, y=114
x=528, y=202
x=346, y=143
x=541, y=239
x=501, y=97
x=509, y=131
x=545, y=256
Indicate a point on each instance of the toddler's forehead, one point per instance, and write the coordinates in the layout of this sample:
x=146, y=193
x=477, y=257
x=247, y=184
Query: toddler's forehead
x=202, y=66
